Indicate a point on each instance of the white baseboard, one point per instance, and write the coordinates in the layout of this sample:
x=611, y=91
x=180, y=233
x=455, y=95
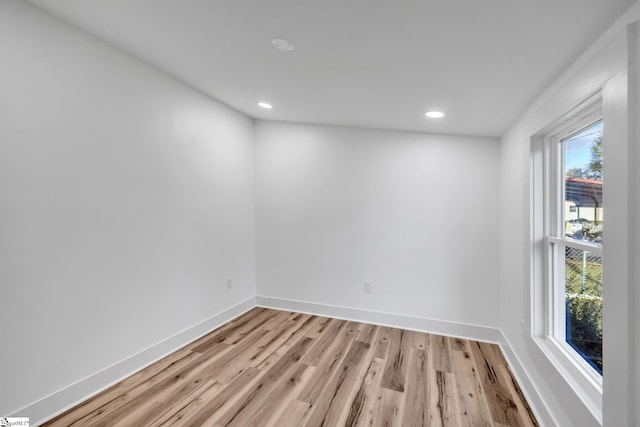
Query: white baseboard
x=58, y=402
x=421, y=324
x=529, y=389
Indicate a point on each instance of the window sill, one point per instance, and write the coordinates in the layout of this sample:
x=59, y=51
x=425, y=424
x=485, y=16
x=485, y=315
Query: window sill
x=582, y=379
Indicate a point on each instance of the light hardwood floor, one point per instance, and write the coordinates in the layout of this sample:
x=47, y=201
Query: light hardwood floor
x=277, y=368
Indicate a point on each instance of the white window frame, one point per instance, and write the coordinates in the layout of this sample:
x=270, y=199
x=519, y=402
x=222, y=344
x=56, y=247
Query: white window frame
x=547, y=252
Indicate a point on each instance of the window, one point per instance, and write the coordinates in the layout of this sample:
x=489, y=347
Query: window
x=574, y=240
x=567, y=222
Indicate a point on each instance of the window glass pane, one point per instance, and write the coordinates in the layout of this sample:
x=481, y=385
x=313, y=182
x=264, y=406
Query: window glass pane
x=583, y=274
x=583, y=220
x=583, y=212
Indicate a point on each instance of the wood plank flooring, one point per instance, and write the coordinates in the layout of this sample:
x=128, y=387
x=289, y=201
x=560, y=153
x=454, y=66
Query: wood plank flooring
x=277, y=368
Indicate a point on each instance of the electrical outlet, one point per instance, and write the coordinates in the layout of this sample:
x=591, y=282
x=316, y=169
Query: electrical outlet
x=368, y=287
x=229, y=282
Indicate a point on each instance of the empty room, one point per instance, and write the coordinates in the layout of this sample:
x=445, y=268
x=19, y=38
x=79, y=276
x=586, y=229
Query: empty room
x=319, y=213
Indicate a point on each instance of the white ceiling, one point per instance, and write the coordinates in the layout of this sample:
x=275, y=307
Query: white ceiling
x=369, y=63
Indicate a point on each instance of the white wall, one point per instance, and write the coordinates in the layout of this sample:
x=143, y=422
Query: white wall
x=634, y=299
x=126, y=199
x=599, y=69
x=415, y=214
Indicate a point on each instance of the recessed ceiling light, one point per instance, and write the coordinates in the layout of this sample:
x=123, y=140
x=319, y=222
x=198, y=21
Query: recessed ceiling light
x=434, y=114
x=265, y=105
x=283, y=44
